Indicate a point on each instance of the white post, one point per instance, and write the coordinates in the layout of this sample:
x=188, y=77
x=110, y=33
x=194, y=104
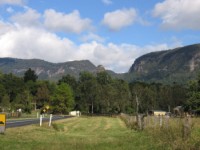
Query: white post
x=50, y=119
x=160, y=117
x=40, y=120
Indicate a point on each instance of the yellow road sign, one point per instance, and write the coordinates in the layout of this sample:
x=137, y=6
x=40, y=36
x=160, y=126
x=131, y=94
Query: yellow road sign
x=2, y=119
x=47, y=107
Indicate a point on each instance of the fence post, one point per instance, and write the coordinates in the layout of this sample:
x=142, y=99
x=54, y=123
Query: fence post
x=160, y=120
x=40, y=120
x=186, y=127
x=167, y=121
x=50, y=119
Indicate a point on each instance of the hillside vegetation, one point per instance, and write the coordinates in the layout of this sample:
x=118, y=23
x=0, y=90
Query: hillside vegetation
x=47, y=70
x=177, y=65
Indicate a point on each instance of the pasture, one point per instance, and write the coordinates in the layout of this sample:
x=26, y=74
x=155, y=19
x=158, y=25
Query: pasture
x=84, y=133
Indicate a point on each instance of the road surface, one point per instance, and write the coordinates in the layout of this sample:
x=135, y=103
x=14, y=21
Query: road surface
x=24, y=122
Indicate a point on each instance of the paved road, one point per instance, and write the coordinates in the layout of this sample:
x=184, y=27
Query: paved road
x=18, y=123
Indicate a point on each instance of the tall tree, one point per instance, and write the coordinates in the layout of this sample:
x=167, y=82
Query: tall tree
x=5, y=103
x=88, y=91
x=42, y=96
x=2, y=92
x=62, y=100
x=122, y=94
x=70, y=80
x=30, y=75
x=13, y=85
x=23, y=101
x=193, y=102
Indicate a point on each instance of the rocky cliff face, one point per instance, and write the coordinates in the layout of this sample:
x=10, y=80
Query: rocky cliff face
x=173, y=65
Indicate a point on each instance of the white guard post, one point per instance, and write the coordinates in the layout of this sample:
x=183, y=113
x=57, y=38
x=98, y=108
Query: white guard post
x=50, y=120
x=40, y=120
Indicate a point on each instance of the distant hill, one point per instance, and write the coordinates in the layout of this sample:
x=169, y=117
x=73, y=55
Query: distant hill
x=177, y=65
x=46, y=70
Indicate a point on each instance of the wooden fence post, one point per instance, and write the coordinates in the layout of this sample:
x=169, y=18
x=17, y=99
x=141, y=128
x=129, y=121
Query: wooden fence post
x=186, y=127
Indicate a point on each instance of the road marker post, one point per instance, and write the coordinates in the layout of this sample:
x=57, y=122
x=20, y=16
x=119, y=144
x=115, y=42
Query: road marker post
x=40, y=120
x=50, y=120
x=2, y=123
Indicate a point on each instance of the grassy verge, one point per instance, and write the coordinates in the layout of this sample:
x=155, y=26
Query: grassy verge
x=174, y=135
x=85, y=133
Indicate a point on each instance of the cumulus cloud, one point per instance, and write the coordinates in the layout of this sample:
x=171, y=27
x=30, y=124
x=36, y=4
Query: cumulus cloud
x=38, y=43
x=120, y=18
x=5, y=27
x=178, y=14
x=107, y=2
x=92, y=37
x=12, y=2
x=35, y=43
x=29, y=18
x=72, y=22
x=22, y=40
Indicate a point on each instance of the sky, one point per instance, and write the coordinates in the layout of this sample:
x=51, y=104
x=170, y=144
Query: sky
x=112, y=33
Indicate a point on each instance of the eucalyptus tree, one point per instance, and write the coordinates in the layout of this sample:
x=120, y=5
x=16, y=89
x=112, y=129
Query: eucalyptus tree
x=62, y=100
x=122, y=94
x=193, y=102
x=87, y=92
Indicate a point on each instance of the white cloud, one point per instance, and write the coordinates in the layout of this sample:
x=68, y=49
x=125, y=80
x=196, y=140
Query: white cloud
x=92, y=37
x=29, y=18
x=107, y=2
x=31, y=42
x=12, y=2
x=57, y=21
x=10, y=10
x=178, y=14
x=5, y=27
x=35, y=43
x=117, y=57
x=120, y=18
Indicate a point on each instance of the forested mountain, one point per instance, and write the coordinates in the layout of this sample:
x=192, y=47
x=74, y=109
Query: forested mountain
x=46, y=70
x=177, y=65
x=96, y=91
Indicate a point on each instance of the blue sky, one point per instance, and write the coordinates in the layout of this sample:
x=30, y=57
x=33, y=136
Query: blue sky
x=112, y=33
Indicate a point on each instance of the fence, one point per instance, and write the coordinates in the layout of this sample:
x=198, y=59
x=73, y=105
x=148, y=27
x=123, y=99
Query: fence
x=142, y=122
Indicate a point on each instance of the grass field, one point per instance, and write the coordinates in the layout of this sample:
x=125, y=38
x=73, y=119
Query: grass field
x=84, y=133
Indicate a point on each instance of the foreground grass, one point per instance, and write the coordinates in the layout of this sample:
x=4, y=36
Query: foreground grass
x=84, y=133
x=93, y=133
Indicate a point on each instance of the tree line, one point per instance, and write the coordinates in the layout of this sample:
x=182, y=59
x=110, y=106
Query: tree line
x=93, y=93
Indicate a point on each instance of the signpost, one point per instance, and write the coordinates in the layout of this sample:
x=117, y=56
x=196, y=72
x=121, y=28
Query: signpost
x=2, y=123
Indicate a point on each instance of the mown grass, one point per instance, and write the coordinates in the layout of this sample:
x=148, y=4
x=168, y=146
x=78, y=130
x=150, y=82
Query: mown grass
x=84, y=133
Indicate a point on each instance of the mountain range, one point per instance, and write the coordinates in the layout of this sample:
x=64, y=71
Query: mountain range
x=168, y=66
x=176, y=65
